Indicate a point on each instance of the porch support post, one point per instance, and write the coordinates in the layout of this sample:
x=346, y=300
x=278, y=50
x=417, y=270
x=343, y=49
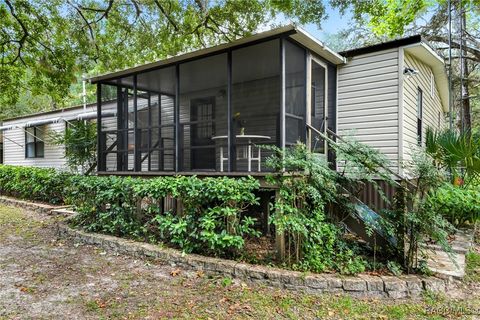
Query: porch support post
x=136, y=136
x=282, y=93
x=279, y=236
x=149, y=151
x=100, y=142
x=308, y=98
x=176, y=115
x=231, y=133
x=120, y=125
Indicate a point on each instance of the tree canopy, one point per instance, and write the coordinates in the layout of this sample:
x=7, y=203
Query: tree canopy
x=47, y=46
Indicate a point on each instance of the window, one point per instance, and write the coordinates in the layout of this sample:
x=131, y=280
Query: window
x=419, y=115
x=34, y=144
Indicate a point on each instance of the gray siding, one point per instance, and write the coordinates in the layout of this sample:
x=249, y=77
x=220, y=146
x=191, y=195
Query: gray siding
x=368, y=101
x=54, y=155
x=433, y=115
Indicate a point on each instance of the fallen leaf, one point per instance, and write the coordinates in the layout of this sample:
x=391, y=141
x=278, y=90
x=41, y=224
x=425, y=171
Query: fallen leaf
x=175, y=272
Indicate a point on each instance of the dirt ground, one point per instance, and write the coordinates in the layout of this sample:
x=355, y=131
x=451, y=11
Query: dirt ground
x=42, y=277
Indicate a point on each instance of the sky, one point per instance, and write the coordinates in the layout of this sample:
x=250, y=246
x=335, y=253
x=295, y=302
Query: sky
x=333, y=24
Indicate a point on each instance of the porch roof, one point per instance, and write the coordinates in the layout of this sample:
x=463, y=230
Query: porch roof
x=294, y=32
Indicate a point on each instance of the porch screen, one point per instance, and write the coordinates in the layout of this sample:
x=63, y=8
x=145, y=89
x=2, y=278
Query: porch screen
x=255, y=103
x=295, y=77
x=318, y=105
x=203, y=114
x=155, y=119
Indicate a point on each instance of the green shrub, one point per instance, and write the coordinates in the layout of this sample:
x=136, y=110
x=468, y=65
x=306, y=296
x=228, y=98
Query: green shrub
x=211, y=220
x=459, y=205
x=36, y=184
x=306, y=187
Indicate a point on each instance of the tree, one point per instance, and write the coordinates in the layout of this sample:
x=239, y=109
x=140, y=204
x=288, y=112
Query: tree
x=47, y=45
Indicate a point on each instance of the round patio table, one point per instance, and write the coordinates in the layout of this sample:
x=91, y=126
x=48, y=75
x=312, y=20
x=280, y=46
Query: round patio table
x=249, y=138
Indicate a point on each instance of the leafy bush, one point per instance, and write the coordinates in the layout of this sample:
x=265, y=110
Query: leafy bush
x=459, y=152
x=36, y=184
x=460, y=205
x=306, y=185
x=80, y=141
x=414, y=219
x=210, y=221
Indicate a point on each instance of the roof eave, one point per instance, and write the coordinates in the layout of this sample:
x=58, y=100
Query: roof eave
x=295, y=32
x=437, y=64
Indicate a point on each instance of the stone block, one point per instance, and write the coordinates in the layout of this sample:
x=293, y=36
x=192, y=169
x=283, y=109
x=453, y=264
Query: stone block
x=374, y=283
x=333, y=282
x=397, y=294
x=354, y=284
x=434, y=284
x=317, y=282
x=394, y=284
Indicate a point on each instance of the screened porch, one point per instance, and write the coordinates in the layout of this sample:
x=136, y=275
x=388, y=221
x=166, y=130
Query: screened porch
x=212, y=113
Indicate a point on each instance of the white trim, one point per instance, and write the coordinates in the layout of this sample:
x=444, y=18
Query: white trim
x=401, y=62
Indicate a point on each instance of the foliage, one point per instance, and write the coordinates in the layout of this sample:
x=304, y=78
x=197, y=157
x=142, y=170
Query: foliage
x=306, y=186
x=388, y=17
x=360, y=164
x=48, y=45
x=414, y=217
x=37, y=184
x=457, y=152
x=472, y=269
x=459, y=205
x=394, y=268
x=210, y=220
x=80, y=142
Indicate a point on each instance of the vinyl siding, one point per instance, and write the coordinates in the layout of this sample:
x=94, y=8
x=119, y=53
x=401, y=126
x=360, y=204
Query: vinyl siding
x=54, y=155
x=368, y=99
x=432, y=107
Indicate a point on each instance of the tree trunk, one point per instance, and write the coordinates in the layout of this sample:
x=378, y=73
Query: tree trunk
x=466, y=124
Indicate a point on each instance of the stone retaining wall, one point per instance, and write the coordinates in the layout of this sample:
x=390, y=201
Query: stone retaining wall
x=31, y=206
x=360, y=286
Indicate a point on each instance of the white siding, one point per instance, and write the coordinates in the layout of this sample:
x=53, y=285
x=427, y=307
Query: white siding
x=432, y=107
x=368, y=99
x=54, y=155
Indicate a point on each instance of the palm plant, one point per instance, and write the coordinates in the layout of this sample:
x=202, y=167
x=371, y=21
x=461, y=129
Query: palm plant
x=458, y=152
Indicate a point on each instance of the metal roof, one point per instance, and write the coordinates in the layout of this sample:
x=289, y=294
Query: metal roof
x=294, y=32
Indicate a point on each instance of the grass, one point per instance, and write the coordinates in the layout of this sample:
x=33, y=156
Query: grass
x=13, y=222
x=472, y=270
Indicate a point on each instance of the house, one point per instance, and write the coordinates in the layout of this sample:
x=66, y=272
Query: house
x=27, y=140
x=206, y=112
x=390, y=93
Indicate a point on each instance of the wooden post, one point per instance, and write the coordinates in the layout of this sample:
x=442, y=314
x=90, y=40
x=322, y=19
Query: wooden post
x=279, y=237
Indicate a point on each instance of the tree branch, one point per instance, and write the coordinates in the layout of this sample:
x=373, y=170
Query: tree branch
x=25, y=34
x=162, y=10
